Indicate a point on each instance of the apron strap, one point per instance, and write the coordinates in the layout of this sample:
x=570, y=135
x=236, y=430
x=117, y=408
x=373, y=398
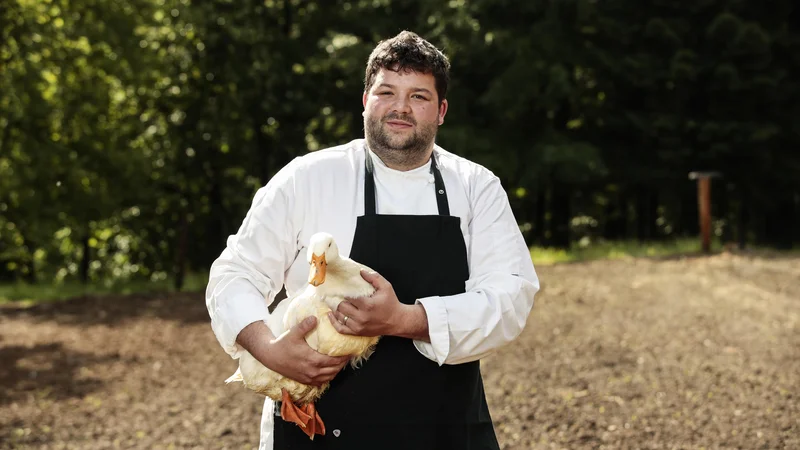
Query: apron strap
x=441, y=192
x=369, y=187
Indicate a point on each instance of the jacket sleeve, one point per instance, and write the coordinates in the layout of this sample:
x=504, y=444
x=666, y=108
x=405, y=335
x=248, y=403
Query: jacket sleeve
x=246, y=277
x=499, y=293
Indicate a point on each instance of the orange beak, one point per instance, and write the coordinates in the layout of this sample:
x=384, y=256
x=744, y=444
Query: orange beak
x=318, y=267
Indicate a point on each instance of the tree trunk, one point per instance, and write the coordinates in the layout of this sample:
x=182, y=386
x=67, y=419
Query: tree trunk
x=796, y=220
x=646, y=212
x=180, y=257
x=30, y=276
x=85, y=258
x=724, y=207
x=218, y=224
x=779, y=220
x=539, y=218
x=689, y=216
x=616, y=216
x=27, y=263
x=560, y=208
x=741, y=219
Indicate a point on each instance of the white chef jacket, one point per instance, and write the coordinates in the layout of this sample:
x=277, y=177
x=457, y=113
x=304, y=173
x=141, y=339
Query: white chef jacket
x=324, y=191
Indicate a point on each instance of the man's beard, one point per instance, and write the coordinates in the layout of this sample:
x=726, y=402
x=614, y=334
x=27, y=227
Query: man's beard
x=409, y=151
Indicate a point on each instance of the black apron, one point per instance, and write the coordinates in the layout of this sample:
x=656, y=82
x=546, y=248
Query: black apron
x=399, y=399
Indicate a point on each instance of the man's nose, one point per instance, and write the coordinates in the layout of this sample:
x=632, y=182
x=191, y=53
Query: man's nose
x=402, y=105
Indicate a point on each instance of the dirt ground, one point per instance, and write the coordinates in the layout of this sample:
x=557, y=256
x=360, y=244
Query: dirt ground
x=682, y=353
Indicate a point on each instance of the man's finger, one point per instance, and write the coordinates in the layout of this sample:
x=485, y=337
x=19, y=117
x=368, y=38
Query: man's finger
x=374, y=278
x=349, y=301
x=338, y=325
x=337, y=317
x=347, y=321
x=330, y=361
x=305, y=327
x=355, y=302
x=327, y=365
x=346, y=309
x=330, y=372
x=326, y=374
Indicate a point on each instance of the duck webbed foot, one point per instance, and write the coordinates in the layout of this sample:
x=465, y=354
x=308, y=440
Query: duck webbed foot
x=306, y=416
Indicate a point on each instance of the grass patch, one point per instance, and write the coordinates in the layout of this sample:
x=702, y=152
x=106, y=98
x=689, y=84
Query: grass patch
x=25, y=293
x=585, y=251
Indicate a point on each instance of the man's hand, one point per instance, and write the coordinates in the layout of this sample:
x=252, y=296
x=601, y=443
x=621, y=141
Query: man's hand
x=290, y=355
x=381, y=314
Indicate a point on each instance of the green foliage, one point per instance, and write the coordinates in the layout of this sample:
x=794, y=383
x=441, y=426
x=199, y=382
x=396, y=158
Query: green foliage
x=134, y=133
x=22, y=293
x=586, y=250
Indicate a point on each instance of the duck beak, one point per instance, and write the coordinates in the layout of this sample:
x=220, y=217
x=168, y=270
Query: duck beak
x=318, y=267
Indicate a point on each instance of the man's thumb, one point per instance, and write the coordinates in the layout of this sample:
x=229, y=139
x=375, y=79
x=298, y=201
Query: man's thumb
x=374, y=278
x=305, y=327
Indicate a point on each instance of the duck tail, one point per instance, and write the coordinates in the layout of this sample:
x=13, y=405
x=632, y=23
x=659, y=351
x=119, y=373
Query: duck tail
x=356, y=362
x=237, y=376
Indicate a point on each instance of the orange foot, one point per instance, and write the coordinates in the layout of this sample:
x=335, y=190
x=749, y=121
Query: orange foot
x=306, y=417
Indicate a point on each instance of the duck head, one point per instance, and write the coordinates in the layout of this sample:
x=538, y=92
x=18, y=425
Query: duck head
x=322, y=250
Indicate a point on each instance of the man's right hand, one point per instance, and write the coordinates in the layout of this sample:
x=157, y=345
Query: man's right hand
x=289, y=354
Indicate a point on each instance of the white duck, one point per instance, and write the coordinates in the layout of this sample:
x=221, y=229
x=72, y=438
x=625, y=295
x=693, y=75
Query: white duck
x=332, y=277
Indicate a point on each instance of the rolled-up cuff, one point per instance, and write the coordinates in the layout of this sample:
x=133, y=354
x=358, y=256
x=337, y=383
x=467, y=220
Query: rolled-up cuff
x=438, y=330
x=231, y=317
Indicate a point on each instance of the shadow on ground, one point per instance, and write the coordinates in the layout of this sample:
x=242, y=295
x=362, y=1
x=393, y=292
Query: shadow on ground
x=114, y=309
x=47, y=371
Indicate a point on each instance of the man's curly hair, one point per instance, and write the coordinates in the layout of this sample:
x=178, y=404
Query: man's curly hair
x=408, y=51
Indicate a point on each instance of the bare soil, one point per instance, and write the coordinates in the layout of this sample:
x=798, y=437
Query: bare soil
x=682, y=353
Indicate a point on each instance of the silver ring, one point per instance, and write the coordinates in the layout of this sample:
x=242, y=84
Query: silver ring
x=345, y=320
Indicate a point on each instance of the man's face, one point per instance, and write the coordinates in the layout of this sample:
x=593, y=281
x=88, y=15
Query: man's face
x=402, y=112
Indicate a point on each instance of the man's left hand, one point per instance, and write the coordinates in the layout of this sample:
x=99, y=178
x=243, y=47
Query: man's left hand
x=377, y=315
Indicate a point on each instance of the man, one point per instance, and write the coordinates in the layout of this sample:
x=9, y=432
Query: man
x=454, y=278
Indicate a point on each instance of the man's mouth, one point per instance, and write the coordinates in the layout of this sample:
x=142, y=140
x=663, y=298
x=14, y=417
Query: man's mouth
x=399, y=124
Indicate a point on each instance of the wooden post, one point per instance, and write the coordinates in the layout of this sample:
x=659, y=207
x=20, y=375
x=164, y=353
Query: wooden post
x=704, y=205
x=704, y=208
